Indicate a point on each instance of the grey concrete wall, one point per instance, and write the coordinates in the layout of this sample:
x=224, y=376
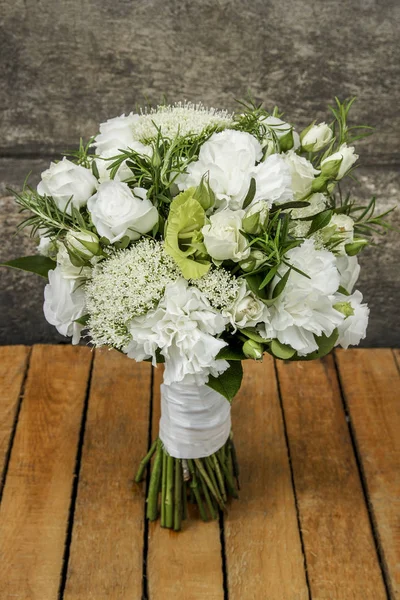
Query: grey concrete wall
x=67, y=65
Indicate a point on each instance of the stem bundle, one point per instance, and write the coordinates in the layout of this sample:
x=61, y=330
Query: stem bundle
x=208, y=482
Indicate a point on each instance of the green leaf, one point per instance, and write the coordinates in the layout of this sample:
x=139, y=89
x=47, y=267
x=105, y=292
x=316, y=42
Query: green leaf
x=253, y=335
x=278, y=289
x=230, y=353
x=95, y=170
x=282, y=351
x=250, y=194
x=228, y=384
x=270, y=275
x=38, y=264
x=287, y=205
x=320, y=220
x=254, y=282
x=83, y=320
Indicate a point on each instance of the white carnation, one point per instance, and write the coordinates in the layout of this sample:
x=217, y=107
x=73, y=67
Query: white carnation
x=183, y=327
x=354, y=327
x=64, y=302
x=68, y=184
x=227, y=158
x=302, y=172
x=304, y=308
x=118, y=211
x=273, y=180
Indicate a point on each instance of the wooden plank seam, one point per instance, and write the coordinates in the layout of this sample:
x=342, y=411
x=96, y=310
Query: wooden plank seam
x=14, y=426
x=75, y=485
x=363, y=480
x=296, y=502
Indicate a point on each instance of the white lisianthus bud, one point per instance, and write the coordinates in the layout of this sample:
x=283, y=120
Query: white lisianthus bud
x=338, y=164
x=302, y=172
x=256, y=218
x=64, y=302
x=253, y=349
x=341, y=227
x=68, y=184
x=222, y=237
x=255, y=260
x=316, y=137
x=117, y=211
x=83, y=243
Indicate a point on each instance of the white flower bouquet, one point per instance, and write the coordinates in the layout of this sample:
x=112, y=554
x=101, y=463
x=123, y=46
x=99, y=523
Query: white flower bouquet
x=197, y=238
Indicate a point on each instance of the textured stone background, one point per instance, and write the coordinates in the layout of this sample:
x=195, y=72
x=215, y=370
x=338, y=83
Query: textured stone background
x=67, y=65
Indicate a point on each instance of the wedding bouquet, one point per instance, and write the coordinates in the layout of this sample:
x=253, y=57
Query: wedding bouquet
x=199, y=238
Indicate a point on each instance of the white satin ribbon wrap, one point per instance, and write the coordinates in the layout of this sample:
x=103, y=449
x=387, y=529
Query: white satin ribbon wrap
x=195, y=420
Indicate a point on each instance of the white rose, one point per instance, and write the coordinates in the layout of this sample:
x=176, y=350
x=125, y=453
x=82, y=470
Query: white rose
x=338, y=164
x=227, y=158
x=117, y=134
x=64, y=302
x=349, y=270
x=247, y=310
x=317, y=203
x=316, y=137
x=67, y=183
x=222, y=237
x=354, y=327
x=302, y=172
x=118, y=211
x=273, y=180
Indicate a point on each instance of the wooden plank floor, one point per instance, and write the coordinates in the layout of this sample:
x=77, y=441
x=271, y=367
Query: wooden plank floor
x=319, y=509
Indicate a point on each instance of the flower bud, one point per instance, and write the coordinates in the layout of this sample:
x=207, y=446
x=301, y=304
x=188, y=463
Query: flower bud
x=319, y=184
x=338, y=164
x=252, y=349
x=256, y=218
x=286, y=141
x=204, y=194
x=330, y=167
x=355, y=246
x=254, y=261
x=83, y=244
x=316, y=137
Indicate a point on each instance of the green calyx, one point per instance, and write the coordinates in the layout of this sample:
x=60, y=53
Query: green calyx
x=183, y=237
x=345, y=308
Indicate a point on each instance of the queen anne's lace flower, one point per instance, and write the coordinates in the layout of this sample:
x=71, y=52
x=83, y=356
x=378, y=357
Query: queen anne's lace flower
x=305, y=307
x=183, y=327
x=219, y=287
x=129, y=284
x=183, y=118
